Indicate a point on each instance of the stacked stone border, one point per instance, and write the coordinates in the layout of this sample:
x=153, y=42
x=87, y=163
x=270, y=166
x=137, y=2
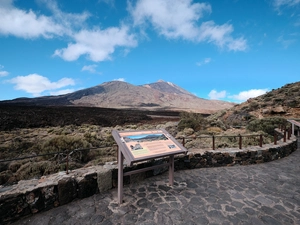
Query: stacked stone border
x=32, y=196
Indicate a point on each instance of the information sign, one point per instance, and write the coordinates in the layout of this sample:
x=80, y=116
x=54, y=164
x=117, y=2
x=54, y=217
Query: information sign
x=137, y=146
x=143, y=145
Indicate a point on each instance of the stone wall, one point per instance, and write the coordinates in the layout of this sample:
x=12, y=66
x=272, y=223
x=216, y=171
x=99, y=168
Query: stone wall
x=32, y=196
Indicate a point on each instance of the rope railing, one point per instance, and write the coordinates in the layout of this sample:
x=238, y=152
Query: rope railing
x=67, y=152
x=286, y=135
x=214, y=138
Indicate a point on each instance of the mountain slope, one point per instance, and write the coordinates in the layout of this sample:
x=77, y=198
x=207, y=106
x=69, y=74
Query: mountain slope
x=166, y=87
x=283, y=102
x=117, y=94
x=159, y=95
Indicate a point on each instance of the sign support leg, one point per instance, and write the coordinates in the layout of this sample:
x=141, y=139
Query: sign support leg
x=171, y=170
x=120, y=176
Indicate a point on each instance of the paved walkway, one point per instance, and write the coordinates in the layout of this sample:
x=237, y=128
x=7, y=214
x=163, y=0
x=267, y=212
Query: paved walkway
x=266, y=193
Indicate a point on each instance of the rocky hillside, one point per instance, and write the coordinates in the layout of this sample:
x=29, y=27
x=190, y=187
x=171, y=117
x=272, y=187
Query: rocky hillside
x=283, y=102
x=116, y=94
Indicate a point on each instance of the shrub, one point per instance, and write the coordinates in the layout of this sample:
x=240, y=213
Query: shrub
x=253, y=105
x=214, y=130
x=65, y=144
x=266, y=125
x=61, y=143
x=4, y=176
x=36, y=169
x=191, y=120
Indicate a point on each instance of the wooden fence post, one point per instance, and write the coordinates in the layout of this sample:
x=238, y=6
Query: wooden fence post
x=275, y=138
x=213, y=142
x=240, y=141
x=183, y=141
x=67, y=165
x=260, y=140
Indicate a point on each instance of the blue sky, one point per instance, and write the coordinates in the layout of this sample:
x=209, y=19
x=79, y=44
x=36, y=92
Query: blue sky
x=219, y=49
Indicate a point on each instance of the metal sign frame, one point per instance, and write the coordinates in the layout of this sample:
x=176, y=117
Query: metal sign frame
x=138, y=146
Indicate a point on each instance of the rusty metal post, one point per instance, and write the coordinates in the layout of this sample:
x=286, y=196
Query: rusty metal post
x=183, y=141
x=240, y=141
x=67, y=165
x=260, y=140
x=275, y=138
x=213, y=142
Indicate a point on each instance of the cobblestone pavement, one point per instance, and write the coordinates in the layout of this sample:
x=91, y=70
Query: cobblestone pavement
x=266, y=193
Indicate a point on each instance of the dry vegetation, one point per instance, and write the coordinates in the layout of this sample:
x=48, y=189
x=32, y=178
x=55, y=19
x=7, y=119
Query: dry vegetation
x=282, y=102
x=28, y=131
x=34, y=134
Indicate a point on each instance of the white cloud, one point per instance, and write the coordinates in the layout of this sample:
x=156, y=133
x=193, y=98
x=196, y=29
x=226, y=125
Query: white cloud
x=203, y=62
x=279, y=3
x=26, y=24
x=213, y=94
x=220, y=35
x=285, y=42
x=69, y=21
x=3, y=73
x=30, y=24
x=90, y=68
x=171, y=18
x=178, y=19
x=244, y=95
x=35, y=84
x=97, y=44
x=108, y=2
x=120, y=79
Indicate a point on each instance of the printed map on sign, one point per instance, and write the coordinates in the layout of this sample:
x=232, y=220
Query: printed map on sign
x=148, y=143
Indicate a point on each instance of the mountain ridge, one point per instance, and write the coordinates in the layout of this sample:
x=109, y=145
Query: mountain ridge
x=159, y=95
x=281, y=102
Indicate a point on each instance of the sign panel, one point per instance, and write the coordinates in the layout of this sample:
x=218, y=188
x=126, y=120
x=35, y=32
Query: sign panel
x=138, y=146
x=141, y=145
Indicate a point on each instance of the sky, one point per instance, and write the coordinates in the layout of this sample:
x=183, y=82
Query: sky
x=229, y=50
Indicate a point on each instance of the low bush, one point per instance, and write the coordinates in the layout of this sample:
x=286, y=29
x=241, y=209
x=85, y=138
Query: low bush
x=192, y=120
x=266, y=125
x=35, y=169
x=62, y=143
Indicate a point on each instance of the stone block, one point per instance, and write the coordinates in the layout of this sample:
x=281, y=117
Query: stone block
x=50, y=194
x=218, y=157
x=104, y=180
x=12, y=209
x=67, y=190
x=227, y=159
x=87, y=185
x=35, y=200
x=267, y=156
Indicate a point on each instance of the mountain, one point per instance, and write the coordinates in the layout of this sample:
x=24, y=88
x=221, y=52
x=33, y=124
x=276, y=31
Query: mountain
x=283, y=102
x=166, y=87
x=160, y=95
